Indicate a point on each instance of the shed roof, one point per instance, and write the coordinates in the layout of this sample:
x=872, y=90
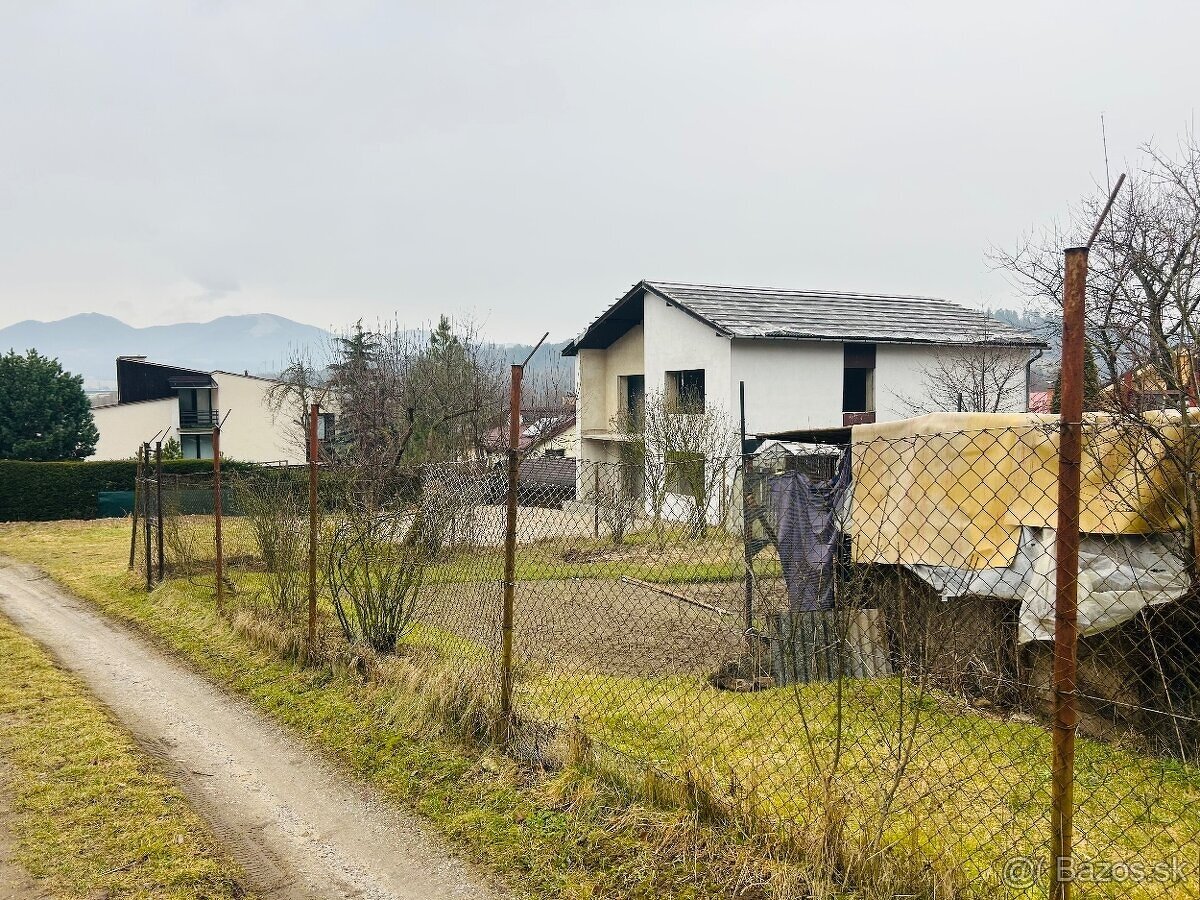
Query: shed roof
x=753, y=312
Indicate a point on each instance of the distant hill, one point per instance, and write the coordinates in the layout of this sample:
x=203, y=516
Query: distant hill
x=89, y=344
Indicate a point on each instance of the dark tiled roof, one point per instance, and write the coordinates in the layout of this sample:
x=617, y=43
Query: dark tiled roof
x=750, y=312
x=555, y=470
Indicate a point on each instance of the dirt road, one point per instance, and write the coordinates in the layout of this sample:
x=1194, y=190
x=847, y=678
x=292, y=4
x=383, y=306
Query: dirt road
x=299, y=829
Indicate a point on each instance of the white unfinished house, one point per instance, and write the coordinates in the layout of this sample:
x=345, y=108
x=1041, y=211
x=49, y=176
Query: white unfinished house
x=808, y=359
x=155, y=401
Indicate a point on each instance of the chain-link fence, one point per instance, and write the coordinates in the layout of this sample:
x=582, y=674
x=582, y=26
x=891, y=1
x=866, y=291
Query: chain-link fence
x=845, y=651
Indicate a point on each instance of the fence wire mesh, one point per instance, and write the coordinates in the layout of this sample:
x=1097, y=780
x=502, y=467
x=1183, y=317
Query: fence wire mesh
x=844, y=649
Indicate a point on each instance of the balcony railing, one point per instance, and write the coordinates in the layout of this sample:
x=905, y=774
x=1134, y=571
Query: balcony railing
x=202, y=418
x=857, y=418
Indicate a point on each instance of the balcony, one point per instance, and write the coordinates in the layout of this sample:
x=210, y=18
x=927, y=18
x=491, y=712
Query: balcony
x=198, y=419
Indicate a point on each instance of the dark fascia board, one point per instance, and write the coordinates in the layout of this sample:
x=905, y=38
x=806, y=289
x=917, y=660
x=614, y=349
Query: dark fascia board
x=809, y=435
x=143, y=361
x=573, y=348
x=637, y=292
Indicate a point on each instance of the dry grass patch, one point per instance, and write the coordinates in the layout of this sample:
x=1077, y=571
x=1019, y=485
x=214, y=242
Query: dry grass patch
x=92, y=815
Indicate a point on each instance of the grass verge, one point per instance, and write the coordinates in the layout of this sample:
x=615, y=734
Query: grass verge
x=91, y=814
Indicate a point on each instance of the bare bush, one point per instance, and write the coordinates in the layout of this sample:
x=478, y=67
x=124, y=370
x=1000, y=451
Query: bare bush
x=374, y=566
x=276, y=509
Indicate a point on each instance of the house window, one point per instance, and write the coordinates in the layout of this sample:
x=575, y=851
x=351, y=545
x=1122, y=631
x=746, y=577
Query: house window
x=685, y=391
x=325, y=430
x=633, y=399
x=858, y=379
x=556, y=454
x=196, y=446
x=195, y=408
x=685, y=474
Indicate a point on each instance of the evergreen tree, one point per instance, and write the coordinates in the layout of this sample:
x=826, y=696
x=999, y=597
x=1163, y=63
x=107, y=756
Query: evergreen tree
x=1091, y=385
x=44, y=413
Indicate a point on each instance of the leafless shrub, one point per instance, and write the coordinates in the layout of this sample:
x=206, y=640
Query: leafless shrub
x=374, y=567
x=276, y=508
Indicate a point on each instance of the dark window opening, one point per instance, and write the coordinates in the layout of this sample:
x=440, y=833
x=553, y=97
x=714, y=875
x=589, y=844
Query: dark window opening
x=685, y=391
x=633, y=399
x=325, y=432
x=195, y=408
x=858, y=379
x=556, y=454
x=196, y=446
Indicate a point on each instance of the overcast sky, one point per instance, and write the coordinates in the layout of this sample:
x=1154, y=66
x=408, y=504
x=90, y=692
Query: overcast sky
x=527, y=162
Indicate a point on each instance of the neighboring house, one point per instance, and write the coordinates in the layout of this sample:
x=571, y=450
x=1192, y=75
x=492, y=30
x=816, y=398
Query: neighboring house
x=1041, y=401
x=808, y=359
x=545, y=431
x=155, y=401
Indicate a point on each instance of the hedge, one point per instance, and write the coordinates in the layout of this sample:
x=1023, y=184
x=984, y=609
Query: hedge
x=42, y=491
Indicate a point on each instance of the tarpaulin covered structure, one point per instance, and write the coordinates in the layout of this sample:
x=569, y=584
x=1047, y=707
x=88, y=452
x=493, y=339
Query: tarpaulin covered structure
x=969, y=503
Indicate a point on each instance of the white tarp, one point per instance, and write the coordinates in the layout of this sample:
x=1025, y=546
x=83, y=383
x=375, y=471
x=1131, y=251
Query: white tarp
x=1119, y=575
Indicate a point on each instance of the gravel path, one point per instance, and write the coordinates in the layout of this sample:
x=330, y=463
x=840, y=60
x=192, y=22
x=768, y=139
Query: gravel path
x=299, y=829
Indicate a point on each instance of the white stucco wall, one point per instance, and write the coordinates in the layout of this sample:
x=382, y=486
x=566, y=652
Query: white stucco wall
x=252, y=431
x=789, y=384
x=124, y=428
x=675, y=341
x=902, y=377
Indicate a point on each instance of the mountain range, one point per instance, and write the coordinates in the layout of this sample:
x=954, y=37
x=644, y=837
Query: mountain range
x=88, y=344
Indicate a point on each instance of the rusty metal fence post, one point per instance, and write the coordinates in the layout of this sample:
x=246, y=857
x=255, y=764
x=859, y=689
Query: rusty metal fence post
x=313, y=457
x=137, y=503
x=510, y=552
x=158, y=519
x=1066, y=626
x=146, y=537
x=219, y=561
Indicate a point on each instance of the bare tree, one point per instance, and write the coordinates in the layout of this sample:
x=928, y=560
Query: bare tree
x=303, y=382
x=1143, y=294
x=684, y=448
x=402, y=398
x=984, y=377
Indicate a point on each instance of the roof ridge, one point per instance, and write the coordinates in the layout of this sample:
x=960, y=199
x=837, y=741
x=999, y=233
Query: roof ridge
x=821, y=292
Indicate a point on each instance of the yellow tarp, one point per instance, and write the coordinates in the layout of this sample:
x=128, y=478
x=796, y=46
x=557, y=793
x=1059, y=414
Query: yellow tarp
x=954, y=489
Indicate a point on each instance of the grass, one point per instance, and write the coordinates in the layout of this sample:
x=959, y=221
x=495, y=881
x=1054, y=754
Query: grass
x=672, y=558
x=91, y=814
x=929, y=797
x=568, y=835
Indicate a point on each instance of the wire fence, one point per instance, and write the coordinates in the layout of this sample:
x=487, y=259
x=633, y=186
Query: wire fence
x=845, y=651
